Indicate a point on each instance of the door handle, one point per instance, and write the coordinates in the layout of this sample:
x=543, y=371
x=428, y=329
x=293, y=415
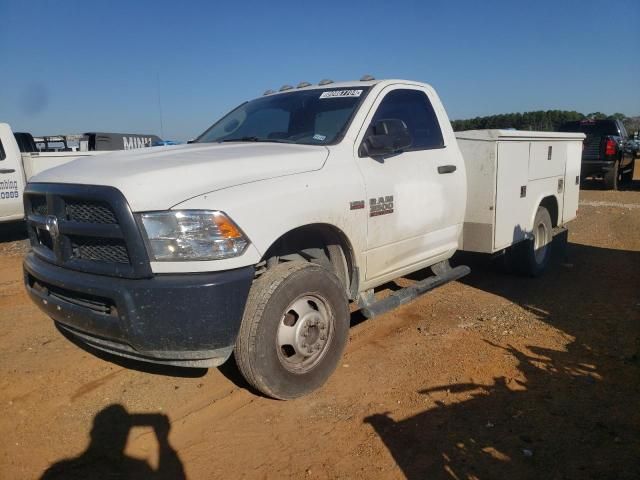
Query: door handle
x=446, y=169
x=7, y=170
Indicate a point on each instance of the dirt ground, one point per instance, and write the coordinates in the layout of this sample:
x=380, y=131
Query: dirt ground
x=495, y=376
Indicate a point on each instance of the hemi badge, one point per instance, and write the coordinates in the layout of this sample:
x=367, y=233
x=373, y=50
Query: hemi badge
x=356, y=205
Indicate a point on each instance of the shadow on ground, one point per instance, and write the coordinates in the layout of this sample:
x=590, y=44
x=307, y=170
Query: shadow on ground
x=13, y=231
x=104, y=457
x=132, y=364
x=598, y=184
x=576, y=414
x=592, y=183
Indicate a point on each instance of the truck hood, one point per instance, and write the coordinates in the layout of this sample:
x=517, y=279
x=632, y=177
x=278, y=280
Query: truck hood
x=158, y=178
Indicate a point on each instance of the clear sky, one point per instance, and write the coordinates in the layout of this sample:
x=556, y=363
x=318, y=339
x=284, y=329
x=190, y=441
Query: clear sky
x=76, y=66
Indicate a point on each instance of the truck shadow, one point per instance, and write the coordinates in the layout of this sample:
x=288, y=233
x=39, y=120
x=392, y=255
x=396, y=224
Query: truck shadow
x=229, y=369
x=595, y=184
x=573, y=410
x=145, y=367
x=591, y=183
x=13, y=231
x=104, y=457
x=633, y=186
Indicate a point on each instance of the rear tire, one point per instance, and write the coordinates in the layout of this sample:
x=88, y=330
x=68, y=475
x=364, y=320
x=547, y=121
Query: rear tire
x=294, y=330
x=535, y=253
x=612, y=177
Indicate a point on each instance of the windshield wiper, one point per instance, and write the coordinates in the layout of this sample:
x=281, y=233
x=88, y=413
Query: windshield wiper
x=255, y=139
x=241, y=139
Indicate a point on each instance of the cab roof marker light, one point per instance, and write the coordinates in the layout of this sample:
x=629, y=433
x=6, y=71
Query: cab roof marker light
x=367, y=78
x=303, y=84
x=269, y=92
x=286, y=87
x=325, y=81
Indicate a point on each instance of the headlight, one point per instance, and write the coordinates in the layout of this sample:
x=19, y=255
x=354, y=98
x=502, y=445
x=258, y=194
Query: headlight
x=193, y=235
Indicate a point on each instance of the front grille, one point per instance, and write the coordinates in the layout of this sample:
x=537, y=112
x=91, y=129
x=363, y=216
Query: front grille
x=99, y=249
x=89, y=212
x=85, y=228
x=39, y=205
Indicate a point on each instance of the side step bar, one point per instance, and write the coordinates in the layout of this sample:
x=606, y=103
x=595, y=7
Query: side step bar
x=405, y=295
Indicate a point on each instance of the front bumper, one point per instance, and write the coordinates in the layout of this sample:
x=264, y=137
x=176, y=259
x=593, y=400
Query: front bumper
x=176, y=319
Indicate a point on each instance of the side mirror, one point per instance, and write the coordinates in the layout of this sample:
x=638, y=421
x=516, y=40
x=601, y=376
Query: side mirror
x=389, y=136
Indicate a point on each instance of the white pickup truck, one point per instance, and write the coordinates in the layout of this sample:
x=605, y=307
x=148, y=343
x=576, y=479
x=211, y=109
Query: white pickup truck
x=19, y=161
x=254, y=239
x=17, y=167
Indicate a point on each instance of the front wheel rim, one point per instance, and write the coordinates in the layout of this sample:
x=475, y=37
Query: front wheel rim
x=305, y=332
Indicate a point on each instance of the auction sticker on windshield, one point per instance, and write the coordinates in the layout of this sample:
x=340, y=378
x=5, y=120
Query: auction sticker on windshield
x=341, y=93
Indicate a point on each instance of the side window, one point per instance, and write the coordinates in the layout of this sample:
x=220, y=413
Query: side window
x=415, y=110
x=2, y=154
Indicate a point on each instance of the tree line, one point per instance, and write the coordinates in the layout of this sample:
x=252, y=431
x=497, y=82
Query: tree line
x=541, y=120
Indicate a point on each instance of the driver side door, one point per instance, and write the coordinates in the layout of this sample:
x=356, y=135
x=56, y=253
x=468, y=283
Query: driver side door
x=408, y=220
x=11, y=180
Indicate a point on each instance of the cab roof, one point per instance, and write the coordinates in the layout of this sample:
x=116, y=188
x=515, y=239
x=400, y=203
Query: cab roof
x=346, y=84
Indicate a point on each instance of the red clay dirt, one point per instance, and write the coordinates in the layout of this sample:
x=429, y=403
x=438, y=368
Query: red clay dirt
x=495, y=376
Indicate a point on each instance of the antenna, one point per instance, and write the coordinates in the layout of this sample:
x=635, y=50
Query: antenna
x=160, y=106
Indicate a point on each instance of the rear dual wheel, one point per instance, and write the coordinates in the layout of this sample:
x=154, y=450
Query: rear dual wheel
x=537, y=250
x=294, y=329
x=531, y=257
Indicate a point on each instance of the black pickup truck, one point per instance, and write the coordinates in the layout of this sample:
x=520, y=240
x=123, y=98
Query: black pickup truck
x=604, y=153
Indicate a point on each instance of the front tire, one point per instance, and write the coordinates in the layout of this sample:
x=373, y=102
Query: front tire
x=294, y=330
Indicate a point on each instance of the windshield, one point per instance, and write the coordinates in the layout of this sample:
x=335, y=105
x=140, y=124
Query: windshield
x=310, y=117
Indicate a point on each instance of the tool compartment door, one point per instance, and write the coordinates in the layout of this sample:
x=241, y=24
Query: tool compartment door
x=572, y=181
x=547, y=159
x=512, y=205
